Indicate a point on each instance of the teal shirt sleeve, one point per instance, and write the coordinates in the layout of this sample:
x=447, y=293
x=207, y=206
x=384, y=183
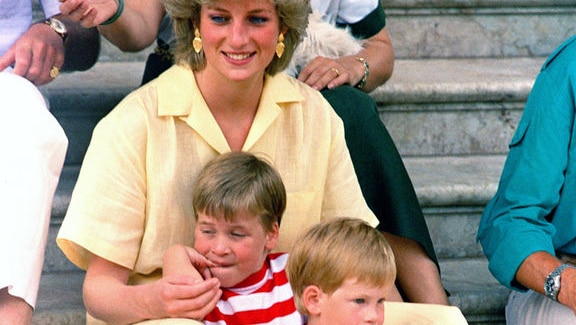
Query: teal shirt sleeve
x=521, y=218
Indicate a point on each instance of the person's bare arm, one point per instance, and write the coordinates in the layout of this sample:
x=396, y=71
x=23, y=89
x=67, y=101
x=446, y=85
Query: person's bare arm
x=417, y=274
x=135, y=29
x=377, y=51
x=107, y=295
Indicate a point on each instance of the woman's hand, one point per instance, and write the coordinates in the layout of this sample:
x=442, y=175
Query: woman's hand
x=377, y=50
x=108, y=297
x=182, y=296
x=324, y=72
x=89, y=13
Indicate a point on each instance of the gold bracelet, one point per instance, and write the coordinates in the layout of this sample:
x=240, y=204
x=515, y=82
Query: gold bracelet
x=360, y=85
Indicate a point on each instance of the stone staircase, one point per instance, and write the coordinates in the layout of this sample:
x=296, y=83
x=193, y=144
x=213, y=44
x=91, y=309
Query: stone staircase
x=462, y=74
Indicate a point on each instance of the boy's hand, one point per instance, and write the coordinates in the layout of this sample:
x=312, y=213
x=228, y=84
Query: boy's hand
x=200, y=262
x=187, y=289
x=186, y=261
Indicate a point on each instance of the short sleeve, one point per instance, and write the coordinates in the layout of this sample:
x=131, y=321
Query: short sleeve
x=370, y=25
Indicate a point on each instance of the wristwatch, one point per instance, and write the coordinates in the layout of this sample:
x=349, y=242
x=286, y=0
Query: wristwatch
x=552, y=284
x=58, y=27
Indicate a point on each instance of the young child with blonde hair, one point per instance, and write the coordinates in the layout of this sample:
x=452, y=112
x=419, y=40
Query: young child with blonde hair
x=340, y=272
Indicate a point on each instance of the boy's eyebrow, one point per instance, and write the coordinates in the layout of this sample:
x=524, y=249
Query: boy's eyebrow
x=230, y=224
x=205, y=223
x=237, y=226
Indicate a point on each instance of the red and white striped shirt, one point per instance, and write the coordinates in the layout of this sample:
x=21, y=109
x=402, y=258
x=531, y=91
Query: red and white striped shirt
x=265, y=297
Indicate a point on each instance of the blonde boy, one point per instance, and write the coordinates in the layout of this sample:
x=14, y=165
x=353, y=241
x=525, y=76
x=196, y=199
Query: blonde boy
x=340, y=272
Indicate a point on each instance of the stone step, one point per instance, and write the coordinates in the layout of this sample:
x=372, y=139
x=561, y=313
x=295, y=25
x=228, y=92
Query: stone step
x=453, y=192
x=458, y=29
x=439, y=107
x=472, y=289
x=431, y=107
x=478, y=28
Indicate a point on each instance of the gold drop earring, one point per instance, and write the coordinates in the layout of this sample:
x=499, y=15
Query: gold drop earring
x=280, y=46
x=197, y=42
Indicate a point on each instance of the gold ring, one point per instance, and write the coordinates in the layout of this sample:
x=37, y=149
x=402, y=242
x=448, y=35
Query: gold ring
x=336, y=71
x=54, y=72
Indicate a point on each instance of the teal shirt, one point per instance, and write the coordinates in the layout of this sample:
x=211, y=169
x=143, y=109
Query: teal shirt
x=534, y=208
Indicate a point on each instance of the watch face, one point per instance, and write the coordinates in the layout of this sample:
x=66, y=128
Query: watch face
x=549, y=287
x=552, y=287
x=58, y=25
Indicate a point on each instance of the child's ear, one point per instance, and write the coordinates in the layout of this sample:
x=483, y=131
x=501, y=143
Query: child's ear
x=312, y=299
x=272, y=237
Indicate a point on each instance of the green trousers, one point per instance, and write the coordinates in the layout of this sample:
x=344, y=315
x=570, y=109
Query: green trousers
x=381, y=173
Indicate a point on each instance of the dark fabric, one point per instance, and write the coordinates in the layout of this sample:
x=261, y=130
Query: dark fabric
x=381, y=173
x=370, y=25
x=158, y=61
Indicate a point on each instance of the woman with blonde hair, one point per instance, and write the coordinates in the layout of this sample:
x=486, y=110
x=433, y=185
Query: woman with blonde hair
x=133, y=196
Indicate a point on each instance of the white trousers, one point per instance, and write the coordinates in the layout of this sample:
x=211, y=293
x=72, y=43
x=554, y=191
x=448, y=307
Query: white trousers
x=32, y=148
x=530, y=307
